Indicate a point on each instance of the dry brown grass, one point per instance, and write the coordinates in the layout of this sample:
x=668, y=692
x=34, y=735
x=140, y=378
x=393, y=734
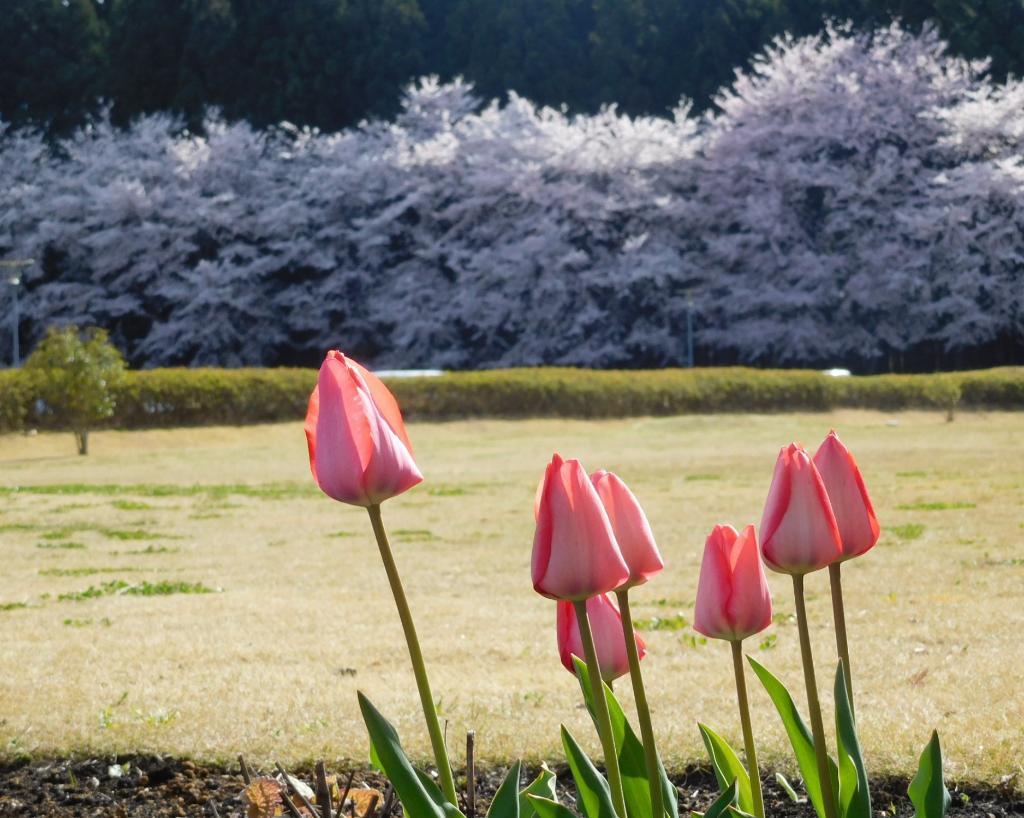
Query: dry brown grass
x=270, y=665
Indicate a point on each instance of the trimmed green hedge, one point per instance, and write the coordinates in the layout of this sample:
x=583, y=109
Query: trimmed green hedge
x=183, y=397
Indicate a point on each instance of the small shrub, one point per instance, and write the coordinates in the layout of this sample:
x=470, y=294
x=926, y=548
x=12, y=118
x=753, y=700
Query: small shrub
x=74, y=373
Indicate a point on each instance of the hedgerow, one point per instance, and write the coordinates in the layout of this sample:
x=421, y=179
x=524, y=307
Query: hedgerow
x=192, y=397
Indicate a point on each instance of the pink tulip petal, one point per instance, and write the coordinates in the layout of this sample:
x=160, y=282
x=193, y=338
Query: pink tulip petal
x=609, y=639
x=344, y=440
x=733, y=601
x=575, y=555
x=631, y=527
x=855, y=515
x=357, y=453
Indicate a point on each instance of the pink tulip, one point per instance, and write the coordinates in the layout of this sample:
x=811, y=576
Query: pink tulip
x=359, y=452
x=798, y=529
x=733, y=601
x=575, y=555
x=855, y=516
x=632, y=531
x=609, y=639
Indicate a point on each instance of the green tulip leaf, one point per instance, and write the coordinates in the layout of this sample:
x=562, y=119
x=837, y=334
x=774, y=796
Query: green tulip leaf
x=632, y=761
x=928, y=790
x=420, y=797
x=720, y=806
x=799, y=737
x=548, y=808
x=506, y=799
x=542, y=786
x=787, y=788
x=854, y=795
x=595, y=794
x=728, y=767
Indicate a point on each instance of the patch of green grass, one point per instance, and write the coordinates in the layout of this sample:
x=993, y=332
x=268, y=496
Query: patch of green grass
x=343, y=534
x=131, y=505
x=662, y=623
x=266, y=491
x=119, y=586
x=690, y=478
x=66, y=507
x=413, y=534
x=936, y=506
x=58, y=534
x=83, y=572
x=67, y=545
x=446, y=491
x=988, y=562
x=667, y=602
x=165, y=588
x=908, y=531
x=911, y=474
x=84, y=623
x=12, y=606
x=18, y=527
x=130, y=534
x=149, y=549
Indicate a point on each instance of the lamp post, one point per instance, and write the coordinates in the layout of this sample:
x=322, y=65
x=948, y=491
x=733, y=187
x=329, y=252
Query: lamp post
x=689, y=328
x=13, y=277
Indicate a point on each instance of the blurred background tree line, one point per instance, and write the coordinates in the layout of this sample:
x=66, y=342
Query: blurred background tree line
x=331, y=63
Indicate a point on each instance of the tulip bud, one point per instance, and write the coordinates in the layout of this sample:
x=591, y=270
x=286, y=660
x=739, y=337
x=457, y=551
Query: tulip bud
x=609, y=638
x=632, y=531
x=575, y=555
x=855, y=516
x=798, y=529
x=733, y=601
x=359, y=451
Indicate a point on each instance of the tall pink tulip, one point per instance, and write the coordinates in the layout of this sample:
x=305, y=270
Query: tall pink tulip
x=636, y=541
x=609, y=639
x=855, y=516
x=798, y=529
x=733, y=601
x=359, y=451
x=575, y=555
x=858, y=529
x=632, y=531
x=799, y=535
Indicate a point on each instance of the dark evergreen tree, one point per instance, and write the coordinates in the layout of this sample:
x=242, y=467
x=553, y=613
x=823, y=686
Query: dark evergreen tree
x=53, y=62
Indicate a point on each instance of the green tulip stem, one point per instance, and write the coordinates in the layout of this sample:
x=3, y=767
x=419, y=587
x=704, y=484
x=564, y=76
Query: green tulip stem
x=642, y=710
x=748, y=733
x=604, y=721
x=817, y=728
x=419, y=669
x=839, y=615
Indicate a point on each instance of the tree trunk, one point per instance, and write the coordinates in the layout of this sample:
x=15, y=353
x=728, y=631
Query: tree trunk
x=82, y=439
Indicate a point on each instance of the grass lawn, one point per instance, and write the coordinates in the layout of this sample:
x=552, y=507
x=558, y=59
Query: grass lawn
x=110, y=641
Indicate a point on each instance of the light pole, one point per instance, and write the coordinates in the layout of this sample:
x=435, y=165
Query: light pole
x=689, y=328
x=13, y=277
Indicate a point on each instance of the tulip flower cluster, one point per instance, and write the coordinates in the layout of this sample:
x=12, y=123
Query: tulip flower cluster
x=592, y=544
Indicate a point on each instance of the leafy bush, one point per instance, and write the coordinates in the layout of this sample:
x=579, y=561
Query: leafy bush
x=73, y=373
x=189, y=397
x=15, y=397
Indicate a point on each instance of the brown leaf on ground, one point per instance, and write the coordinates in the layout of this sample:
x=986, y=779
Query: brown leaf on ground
x=362, y=798
x=263, y=798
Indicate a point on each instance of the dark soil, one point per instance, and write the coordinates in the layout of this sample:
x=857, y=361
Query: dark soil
x=155, y=787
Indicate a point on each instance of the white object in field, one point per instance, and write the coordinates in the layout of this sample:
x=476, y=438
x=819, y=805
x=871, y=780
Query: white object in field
x=408, y=373
x=837, y=373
